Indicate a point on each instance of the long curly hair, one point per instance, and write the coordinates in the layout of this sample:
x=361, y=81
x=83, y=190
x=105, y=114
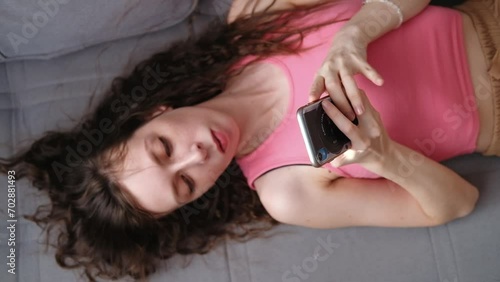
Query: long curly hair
x=102, y=229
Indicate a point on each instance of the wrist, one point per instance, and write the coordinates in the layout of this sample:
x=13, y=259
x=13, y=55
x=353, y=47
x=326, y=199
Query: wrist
x=387, y=161
x=352, y=32
x=400, y=163
x=393, y=6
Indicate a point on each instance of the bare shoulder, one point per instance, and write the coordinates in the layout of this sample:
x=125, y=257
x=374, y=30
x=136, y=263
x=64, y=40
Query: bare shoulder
x=257, y=71
x=259, y=77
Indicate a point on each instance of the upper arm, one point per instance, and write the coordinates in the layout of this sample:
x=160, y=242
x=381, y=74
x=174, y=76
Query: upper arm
x=342, y=202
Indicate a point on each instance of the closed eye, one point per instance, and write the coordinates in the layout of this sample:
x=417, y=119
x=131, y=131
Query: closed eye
x=189, y=182
x=167, y=146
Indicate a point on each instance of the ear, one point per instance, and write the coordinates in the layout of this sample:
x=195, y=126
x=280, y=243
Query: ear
x=158, y=111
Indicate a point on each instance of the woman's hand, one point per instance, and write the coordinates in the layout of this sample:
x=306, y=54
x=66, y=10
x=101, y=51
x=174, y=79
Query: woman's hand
x=442, y=194
x=347, y=55
x=370, y=143
x=346, y=58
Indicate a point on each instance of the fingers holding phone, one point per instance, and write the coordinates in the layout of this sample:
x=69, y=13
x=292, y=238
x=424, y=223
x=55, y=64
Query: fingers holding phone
x=369, y=141
x=346, y=58
x=330, y=136
x=337, y=92
x=323, y=139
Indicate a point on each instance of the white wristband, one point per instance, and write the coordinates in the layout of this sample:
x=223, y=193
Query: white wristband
x=392, y=5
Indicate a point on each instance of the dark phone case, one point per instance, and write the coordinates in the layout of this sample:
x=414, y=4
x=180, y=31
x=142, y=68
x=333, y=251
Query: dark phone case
x=324, y=141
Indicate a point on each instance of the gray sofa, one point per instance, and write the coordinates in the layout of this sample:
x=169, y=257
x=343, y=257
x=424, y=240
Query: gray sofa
x=54, y=54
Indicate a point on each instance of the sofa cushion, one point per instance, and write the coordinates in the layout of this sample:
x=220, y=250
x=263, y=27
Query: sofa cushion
x=42, y=29
x=218, y=8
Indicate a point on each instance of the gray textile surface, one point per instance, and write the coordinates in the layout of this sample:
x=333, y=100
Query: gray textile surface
x=40, y=94
x=48, y=28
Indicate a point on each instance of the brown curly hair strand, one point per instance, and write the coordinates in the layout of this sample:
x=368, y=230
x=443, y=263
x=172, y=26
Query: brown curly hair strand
x=103, y=230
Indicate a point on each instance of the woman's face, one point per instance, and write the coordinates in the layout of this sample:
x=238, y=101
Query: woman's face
x=175, y=157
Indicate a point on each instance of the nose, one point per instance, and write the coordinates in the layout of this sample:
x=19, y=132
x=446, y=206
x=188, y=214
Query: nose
x=196, y=155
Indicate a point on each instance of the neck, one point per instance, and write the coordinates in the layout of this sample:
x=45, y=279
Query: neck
x=249, y=111
x=255, y=99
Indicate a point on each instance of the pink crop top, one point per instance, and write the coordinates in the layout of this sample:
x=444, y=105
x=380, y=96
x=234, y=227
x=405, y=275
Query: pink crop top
x=426, y=103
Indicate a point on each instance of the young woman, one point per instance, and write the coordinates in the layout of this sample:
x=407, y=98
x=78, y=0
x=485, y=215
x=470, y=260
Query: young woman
x=163, y=173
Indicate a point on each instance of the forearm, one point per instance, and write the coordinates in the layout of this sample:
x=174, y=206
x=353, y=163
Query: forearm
x=376, y=19
x=442, y=194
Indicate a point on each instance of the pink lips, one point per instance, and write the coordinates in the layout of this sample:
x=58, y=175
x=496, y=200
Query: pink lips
x=221, y=141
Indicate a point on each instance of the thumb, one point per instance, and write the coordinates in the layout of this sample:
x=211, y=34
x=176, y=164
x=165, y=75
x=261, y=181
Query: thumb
x=373, y=75
x=348, y=157
x=339, y=161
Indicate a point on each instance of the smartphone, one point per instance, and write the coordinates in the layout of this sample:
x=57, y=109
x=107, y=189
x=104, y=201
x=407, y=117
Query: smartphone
x=324, y=141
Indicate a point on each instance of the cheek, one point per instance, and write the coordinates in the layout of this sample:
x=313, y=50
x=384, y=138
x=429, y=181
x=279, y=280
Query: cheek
x=211, y=176
x=189, y=127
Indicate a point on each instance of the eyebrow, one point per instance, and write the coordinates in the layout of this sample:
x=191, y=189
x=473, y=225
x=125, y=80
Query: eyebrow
x=155, y=159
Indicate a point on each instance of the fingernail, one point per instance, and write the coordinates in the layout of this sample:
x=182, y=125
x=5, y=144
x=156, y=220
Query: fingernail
x=380, y=82
x=359, y=109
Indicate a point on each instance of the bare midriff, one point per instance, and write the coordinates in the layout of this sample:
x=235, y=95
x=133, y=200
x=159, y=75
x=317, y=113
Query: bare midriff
x=481, y=82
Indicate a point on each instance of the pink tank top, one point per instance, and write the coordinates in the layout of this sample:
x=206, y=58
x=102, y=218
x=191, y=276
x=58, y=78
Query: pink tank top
x=426, y=103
